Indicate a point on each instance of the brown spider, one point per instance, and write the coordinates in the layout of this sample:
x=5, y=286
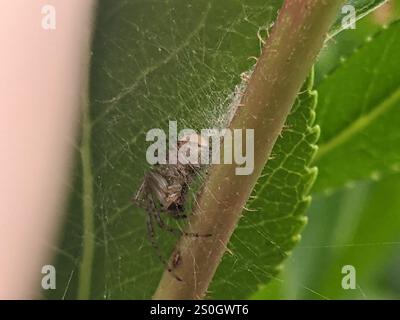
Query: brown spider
x=164, y=191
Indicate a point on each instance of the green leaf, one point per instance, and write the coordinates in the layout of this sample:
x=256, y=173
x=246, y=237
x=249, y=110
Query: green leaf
x=275, y=213
x=356, y=226
x=359, y=114
x=155, y=61
x=334, y=234
x=349, y=40
x=362, y=8
x=370, y=243
x=152, y=62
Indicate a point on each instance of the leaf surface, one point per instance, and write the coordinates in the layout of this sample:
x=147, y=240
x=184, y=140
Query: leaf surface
x=155, y=61
x=359, y=114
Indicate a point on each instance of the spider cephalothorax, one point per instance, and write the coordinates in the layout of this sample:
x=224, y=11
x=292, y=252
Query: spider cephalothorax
x=164, y=191
x=166, y=187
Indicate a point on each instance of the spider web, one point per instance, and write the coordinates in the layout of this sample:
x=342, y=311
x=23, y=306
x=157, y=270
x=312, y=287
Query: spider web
x=155, y=61
x=180, y=65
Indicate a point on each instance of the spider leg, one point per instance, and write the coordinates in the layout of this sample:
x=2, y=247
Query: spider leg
x=151, y=233
x=176, y=231
x=137, y=198
x=179, y=216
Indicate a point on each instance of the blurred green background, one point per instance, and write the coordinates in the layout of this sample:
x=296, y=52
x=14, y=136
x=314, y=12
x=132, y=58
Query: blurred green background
x=357, y=225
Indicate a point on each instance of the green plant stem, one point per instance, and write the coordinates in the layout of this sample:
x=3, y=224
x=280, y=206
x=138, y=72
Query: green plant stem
x=85, y=272
x=282, y=68
x=88, y=236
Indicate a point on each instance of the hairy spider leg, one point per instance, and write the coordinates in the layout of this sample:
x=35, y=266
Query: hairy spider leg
x=157, y=215
x=179, y=216
x=151, y=233
x=138, y=196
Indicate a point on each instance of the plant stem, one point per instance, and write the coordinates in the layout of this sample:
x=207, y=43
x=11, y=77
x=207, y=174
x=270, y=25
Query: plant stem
x=85, y=273
x=287, y=57
x=88, y=246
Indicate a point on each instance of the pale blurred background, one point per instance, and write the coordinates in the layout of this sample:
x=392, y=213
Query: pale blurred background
x=43, y=76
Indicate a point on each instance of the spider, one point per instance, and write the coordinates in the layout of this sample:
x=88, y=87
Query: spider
x=164, y=190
